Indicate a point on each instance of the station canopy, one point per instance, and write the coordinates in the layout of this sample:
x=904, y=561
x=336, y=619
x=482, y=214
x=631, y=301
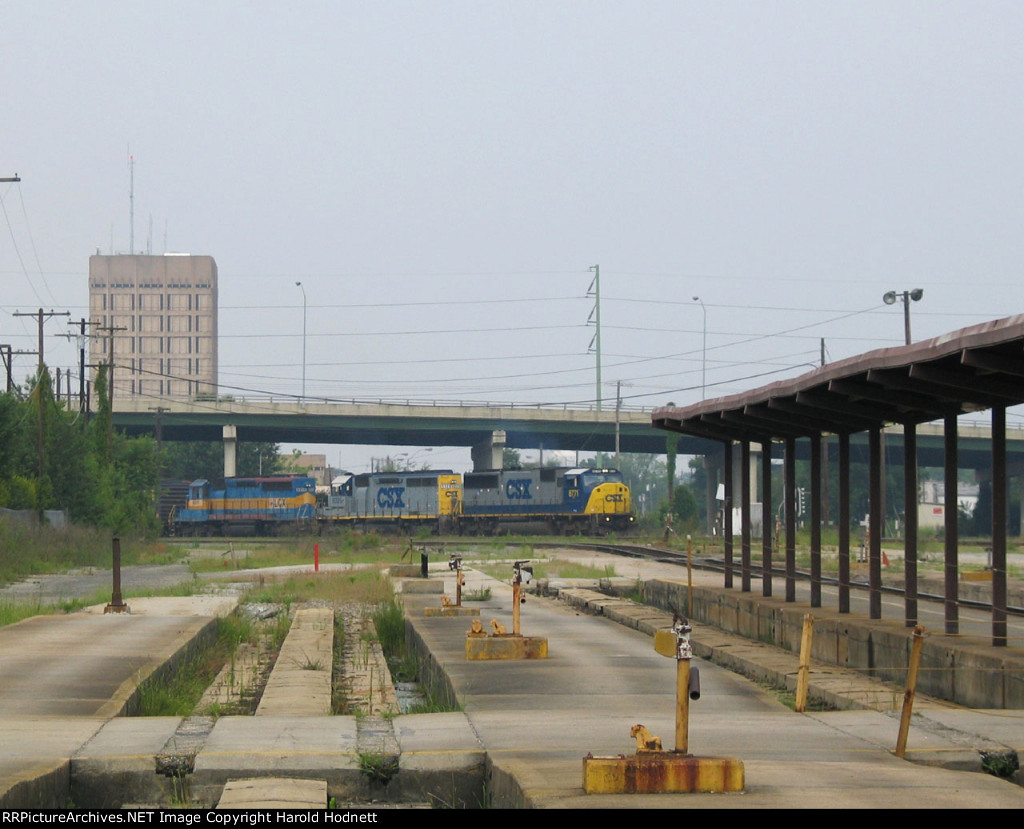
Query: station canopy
x=969, y=370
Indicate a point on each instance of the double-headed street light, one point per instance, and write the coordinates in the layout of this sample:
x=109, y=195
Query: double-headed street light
x=299, y=284
x=890, y=298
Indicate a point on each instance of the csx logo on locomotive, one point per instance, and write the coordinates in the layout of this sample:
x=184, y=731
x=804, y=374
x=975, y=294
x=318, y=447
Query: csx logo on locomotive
x=390, y=497
x=518, y=488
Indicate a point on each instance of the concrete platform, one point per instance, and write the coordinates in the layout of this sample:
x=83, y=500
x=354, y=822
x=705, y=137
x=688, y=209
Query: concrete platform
x=300, y=684
x=274, y=793
x=518, y=742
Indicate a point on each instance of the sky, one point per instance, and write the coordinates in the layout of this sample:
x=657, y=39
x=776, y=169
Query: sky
x=442, y=177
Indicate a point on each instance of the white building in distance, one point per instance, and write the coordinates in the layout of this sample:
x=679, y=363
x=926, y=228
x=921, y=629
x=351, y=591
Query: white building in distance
x=162, y=314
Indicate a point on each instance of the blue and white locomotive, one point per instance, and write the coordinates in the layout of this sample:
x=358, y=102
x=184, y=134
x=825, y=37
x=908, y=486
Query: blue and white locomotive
x=565, y=499
x=262, y=506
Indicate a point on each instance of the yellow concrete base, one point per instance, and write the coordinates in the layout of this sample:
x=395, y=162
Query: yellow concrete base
x=661, y=771
x=507, y=646
x=452, y=611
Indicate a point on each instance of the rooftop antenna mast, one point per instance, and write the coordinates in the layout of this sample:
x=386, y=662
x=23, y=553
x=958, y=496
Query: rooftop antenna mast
x=131, y=202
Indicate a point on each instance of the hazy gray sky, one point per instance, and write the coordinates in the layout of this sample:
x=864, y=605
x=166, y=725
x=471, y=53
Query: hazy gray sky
x=441, y=176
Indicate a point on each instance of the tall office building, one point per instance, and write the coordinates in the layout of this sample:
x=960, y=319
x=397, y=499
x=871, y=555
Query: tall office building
x=162, y=314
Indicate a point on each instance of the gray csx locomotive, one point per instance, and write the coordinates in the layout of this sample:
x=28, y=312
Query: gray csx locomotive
x=564, y=499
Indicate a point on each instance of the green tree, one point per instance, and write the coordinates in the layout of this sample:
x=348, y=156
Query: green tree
x=192, y=460
x=645, y=474
x=100, y=478
x=511, y=459
x=685, y=509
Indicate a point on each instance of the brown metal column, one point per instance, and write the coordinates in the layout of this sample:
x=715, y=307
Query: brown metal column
x=766, y=517
x=727, y=510
x=815, y=520
x=875, y=523
x=952, y=529
x=789, y=496
x=844, y=523
x=999, y=526
x=745, y=516
x=910, y=522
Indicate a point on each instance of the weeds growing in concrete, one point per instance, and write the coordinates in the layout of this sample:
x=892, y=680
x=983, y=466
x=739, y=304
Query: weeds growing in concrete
x=380, y=768
x=176, y=692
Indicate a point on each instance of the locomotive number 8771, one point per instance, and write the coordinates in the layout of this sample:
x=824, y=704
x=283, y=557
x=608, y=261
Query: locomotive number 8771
x=566, y=499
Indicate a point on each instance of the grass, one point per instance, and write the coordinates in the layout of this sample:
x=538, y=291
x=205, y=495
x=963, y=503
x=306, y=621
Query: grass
x=788, y=698
x=26, y=550
x=389, y=621
x=552, y=569
x=308, y=663
x=176, y=692
x=481, y=595
x=345, y=548
x=366, y=585
x=380, y=768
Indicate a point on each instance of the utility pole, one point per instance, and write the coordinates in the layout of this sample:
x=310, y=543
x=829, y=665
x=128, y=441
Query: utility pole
x=83, y=408
x=8, y=357
x=595, y=343
x=110, y=329
x=160, y=435
x=618, y=411
x=41, y=432
x=41, y=317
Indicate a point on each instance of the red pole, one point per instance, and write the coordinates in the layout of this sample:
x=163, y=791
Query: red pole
x=316, y=558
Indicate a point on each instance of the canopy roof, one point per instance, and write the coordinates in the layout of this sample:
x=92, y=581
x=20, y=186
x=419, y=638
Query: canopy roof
x=969, y=370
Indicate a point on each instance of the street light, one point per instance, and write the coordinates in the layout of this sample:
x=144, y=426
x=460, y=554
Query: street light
x=703, y=351
x=890, y=298
x=299, y=284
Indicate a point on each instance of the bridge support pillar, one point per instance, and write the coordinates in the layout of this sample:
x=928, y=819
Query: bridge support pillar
x=488, y=453
x=230, y=451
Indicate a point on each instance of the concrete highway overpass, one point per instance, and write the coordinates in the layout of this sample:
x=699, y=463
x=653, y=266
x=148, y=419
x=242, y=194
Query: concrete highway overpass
x=525, y=427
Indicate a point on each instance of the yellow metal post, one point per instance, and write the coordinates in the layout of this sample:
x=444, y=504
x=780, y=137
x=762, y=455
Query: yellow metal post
x=682, y=706
x=805, y=664
x=515, y=607
x=908, y=696
x=689, y=575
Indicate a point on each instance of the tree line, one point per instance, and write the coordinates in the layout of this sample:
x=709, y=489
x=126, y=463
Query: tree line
x=52, y=458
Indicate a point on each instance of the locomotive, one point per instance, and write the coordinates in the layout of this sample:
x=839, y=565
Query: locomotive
x=261, y=506
x=403, y=499
x=561, y=499
x=564, y=499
